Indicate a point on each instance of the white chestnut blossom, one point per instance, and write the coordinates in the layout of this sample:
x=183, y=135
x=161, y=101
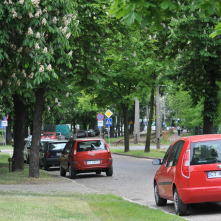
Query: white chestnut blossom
x=56, y=100
x=44, y=21
x=49, y=68
x=95, y=58
x=31, y=75
x=70, y=53
x=127, y=59
x=45, y=50
x=104, y=7
x=9, y=82
x=41, y=69
x=59, y=104
x=68, y=35
x=99, y=51
x=37, y=14
x=5, y=2
x=35, y=2
x=67, y=94
x=55, y=20
x=149, y=37
x=48, y=108
x=74, y=17
x=1, y=82
x=20, y=49
x=38, y=35
x=99, y=60
x=30, y=15
x=13, y=75
x=19, y=17
x=18, y=82
x=63, y=30
x=134, y=54
x=37, y=47
x=30, y=32
x=24, y=74
x=135, y=63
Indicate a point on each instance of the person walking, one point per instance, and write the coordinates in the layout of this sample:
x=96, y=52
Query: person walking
x=178, y=130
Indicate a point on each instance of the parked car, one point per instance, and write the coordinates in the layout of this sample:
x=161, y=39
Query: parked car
x=85, y=156
x=49, y=135
x=49, y=153
x=190, y=172
x=81, y=133
x=91, y=133
x=97, y=132
x=60, y=136
x=26, y=151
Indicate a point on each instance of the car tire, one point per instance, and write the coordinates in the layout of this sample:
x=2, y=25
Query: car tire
x=62, y=171
x=109, y=171
x=72, y=173
x=98, y=172
x=159, y=201
x=45, y=166
x=179, y=206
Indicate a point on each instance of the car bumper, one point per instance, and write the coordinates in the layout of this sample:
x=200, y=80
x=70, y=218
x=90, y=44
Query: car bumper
x=52, y=161
x=86, y=167
x=200, y=195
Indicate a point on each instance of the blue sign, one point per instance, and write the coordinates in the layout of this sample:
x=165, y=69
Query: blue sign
x=100, y=116
x=108, y=121
x=1, y=125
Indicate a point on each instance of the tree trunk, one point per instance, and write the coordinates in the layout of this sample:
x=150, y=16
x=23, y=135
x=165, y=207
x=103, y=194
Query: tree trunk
x=118, y=124
x=19, y=134
x=126, y=131
x=207, y=125
x=8, y=131
x=147, y=145
x=36, y=137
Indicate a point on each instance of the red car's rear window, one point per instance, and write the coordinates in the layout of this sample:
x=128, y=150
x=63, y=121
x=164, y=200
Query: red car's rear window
x=206, y=152
x=91, y=145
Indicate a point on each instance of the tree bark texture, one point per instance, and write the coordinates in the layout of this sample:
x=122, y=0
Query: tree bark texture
x=8, y=131
x=36, y=136
x=19, y=133
x=211, y=104
x=147, y=145
x=126, y=131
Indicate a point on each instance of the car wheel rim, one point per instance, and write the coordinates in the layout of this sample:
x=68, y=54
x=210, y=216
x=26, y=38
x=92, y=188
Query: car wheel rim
x=156, y=193
x=175, y=201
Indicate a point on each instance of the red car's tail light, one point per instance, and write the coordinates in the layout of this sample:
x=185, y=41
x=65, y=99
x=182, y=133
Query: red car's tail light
x=186, y=164
x=47, y=154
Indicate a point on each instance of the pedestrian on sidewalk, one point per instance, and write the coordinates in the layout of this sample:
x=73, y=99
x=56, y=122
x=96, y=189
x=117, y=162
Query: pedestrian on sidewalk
x=178, y=130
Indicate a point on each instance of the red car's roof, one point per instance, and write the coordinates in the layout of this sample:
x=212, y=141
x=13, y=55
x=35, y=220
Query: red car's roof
x=204, y=137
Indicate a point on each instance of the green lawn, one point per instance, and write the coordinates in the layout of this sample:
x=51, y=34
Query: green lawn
x=75, y=206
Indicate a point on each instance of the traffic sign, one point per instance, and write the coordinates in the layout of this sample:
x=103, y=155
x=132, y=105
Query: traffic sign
x=108, y=121
x=4, y=123
x=100, y=123
x=108, y=113
x=100, y=116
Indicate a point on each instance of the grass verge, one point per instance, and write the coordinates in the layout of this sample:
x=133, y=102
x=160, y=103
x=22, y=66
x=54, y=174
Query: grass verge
x=153, y=152
x=75, y=206
x=22, y=177
x=7, y=147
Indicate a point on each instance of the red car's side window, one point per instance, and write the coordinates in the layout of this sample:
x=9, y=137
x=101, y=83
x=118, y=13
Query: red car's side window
x=175, y=153
x=166, y=155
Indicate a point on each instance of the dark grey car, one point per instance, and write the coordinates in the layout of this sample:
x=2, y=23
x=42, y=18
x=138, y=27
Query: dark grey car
x=50, y=152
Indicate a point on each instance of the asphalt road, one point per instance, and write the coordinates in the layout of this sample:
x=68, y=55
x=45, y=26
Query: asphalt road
x=133, y=180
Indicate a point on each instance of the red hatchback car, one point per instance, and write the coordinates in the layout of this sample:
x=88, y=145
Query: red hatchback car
x=190, y=172
x=85, y=156
x=49, y=135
